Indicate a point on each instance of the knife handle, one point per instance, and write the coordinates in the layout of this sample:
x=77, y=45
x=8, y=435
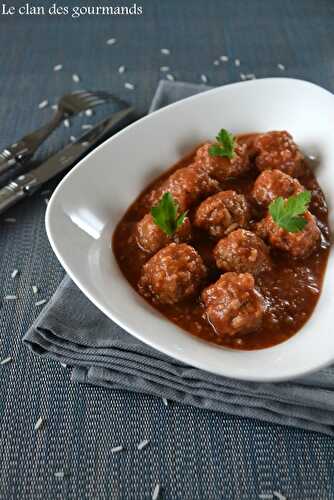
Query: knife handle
x=15, y=191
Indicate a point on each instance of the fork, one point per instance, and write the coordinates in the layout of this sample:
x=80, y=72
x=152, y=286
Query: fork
x=20, y=153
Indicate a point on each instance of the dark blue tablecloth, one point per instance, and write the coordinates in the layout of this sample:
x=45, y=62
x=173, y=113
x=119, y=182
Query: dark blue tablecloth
x=193, y=454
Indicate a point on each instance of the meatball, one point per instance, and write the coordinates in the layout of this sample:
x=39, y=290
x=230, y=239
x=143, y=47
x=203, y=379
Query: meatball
x=274, y=183
x=188, y=185
x=233, y=305
x=222, y=213
x=221, y=167
x=172, y=274
x=277, y=150
x=298, y=245
x=151, y=238
x=242, y=251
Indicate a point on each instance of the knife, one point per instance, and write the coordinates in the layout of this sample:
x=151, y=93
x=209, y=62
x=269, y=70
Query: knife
x=27, y=184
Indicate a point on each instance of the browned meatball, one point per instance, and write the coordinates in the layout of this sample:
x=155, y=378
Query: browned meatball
x=222, y=213
x=277, y=150
x=242, y=251
x=187, y=185
x=151, y=238
x=233, y=305
x=274, y=183
x=298, y=245
x=222, y=168
x=172, y=274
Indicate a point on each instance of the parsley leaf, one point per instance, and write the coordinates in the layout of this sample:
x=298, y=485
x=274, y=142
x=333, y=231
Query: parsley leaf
x=225, y=145
x=288, y=213
x=165, y=214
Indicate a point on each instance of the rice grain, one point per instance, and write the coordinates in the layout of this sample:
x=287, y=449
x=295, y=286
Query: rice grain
x=6, y=360
x=143, y=444
x=156, y=492
x=43, y=104
x=116, y=449
x=111, y=41
x=40, y=302
x=39, y=423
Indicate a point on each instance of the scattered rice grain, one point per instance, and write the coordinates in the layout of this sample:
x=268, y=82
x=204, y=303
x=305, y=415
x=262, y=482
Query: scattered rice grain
x=164, y=69
x=39, y=423
x=250, y=76
x=46, y=201
x=170, y=77
x=67, y=123
x=204, y=78
x=63, y=365
x=279, y=495
x=237, y=62
x=89, y=112
x=156, y=492
x=43, y=104
x=224, y=58
x=34, y=289
x=129, y=86
x=216, y=62
x=85, y=144
x=40, y=302
x=58, y=67
x=116, y=449
x=281, y=66
x=111, y=41
x=76, y=78
x=10, y=297
x=60, y=474
x=15, y=273
x=242, y=76
x=73, y=138
x=54, y=107
x=121, y=70
x=87, y=126
x=6, y=360
x=165, y=52
x=143, y=443
x=165, y=402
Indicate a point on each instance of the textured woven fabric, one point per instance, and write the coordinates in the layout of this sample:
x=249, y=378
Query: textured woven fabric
x=73, y=331
x=193, y=453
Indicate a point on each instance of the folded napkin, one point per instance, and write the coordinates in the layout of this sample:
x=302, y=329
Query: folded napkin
x=73, y=331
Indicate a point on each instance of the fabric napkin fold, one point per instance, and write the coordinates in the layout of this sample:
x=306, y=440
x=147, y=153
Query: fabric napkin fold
x=72, y=331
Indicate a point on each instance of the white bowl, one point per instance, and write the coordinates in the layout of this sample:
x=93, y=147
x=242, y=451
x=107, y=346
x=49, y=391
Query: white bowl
x=92, y=198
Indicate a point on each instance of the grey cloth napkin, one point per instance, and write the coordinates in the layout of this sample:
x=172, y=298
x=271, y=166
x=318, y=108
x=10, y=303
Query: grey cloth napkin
x=73, y=331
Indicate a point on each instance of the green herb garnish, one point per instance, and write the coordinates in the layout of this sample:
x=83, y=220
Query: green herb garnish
x=225, y=145
x=287, y=213
x=165, y=214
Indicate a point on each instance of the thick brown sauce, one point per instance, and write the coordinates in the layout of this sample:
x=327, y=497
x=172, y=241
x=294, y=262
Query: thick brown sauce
x=291, y=289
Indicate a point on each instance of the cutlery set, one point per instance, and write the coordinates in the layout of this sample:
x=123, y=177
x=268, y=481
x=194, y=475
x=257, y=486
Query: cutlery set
x=20, y=153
